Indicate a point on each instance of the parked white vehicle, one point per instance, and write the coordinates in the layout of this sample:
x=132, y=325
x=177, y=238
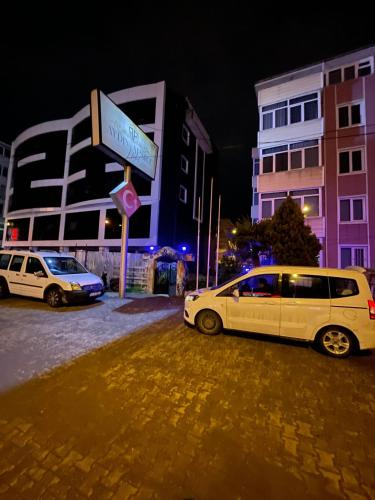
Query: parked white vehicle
x=54, y=277
x=333, y=307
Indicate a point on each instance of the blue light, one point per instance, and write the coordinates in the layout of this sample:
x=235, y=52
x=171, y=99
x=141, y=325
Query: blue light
x=183, y=248
x=152, y=248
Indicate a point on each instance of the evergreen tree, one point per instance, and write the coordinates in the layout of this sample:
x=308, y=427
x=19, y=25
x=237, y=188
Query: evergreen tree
x=250, y=239
x=292, y=241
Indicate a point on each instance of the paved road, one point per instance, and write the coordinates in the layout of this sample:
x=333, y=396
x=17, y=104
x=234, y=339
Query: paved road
x=167, y=413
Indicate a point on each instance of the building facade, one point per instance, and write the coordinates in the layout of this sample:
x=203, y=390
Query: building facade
x=316, y=142
x=4, y=164
x=58, y=185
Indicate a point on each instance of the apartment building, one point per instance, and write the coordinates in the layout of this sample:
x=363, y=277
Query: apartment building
x=316, y=143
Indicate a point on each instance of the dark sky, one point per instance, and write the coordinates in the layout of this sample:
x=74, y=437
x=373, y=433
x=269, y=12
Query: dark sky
x=51, y=59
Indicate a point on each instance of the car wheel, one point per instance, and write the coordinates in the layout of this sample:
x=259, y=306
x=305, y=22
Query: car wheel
x=54, y=297
x=209, y=323
x=337, y=342
x=4, y=290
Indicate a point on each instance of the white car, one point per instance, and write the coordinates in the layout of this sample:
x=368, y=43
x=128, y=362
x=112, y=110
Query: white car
x=54, y=277
x=333, y=307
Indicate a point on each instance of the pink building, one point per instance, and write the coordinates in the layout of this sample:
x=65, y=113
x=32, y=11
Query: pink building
x=316, y=142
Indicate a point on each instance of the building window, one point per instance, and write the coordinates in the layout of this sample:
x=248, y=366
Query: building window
x=350, y=161
x=185, y=135
x=355, y=70
x=352, y=210
x=18, y=229
x=298, y=109
x=307, y=199
x=183, y=194
x=184, y=164
x=353, y=256
x=350, y=115
x=303, y=154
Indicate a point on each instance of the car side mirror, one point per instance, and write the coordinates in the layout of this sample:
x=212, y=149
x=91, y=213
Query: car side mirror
x=40, y=274
x=236, y=293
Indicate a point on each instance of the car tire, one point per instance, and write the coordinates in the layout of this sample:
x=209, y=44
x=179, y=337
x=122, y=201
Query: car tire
x=209, y=322
x=337, y=342
x=4, y=290
x=54, y=297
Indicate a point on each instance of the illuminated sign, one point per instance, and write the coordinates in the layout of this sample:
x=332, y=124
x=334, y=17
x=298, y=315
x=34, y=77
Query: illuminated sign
x=115, y=134
x=125, y=198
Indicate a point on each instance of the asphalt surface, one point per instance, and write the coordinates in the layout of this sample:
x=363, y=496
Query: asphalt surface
x=158, y=411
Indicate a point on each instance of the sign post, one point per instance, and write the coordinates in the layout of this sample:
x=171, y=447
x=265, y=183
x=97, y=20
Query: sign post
x=123, y=141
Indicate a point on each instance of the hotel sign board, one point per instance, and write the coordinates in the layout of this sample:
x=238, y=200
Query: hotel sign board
x=117, y=136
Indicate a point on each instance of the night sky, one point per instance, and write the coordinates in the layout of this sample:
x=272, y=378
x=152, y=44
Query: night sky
x=51, y=60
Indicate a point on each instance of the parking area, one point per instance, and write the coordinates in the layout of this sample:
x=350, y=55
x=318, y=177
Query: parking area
x=35, y=338
x=165, y=412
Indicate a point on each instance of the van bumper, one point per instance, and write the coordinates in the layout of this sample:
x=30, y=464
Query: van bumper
x=80, y=296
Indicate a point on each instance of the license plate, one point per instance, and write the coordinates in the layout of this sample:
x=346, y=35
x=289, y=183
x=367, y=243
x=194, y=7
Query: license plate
x=94, y=294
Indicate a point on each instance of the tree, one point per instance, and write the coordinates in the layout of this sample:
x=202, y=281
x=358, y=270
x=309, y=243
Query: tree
x=292, y=241
x=250, y=239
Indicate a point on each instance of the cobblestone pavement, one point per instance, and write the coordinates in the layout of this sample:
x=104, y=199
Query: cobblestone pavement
x=167, y=413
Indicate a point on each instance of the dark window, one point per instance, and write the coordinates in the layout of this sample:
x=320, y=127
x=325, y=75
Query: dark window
x=312, y=157
x=356, y=114
x=281, y=162
x=344, y=210
x=81, y=131
x=281, y=117
x=343, y=287
x=46, y=227
x=357, y=210
x=296, y=159
x=278, y=202
x=343, y=117
x=267, y=164
x=311, y=110
x=334, y=76
x=81, y=225
x=303, y=98
x=18, y=229
x=7, y=151
x=356, y=161
x=344, y=165
x=4, y=260
x=304, y=286
x=141, y=111
x=141, y=185
x=278, y=105
x=346, y=257
x=33, y=265
x=139, y=223
x=364, y=69
x=266, y=209
x=16, y=263
x=267, y=121
x=295, y=114
x=349, y=73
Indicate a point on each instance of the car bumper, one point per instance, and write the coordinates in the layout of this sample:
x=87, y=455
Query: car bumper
x=79, y=296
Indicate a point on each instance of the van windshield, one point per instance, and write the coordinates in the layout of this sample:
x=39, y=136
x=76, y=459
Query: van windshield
x=64, y=265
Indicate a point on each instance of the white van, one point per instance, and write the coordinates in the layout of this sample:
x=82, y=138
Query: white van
x=54, y=277
x=333, y=307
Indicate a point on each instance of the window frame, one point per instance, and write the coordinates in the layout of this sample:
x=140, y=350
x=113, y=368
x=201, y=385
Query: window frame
x=290, y=151
x=351, y=151
x=269, y=198
x=353, y=248
x=184, y=164
x=357, y=66
x=349, y=106
x=182, y=195
x=185, y=134
x=351, y=199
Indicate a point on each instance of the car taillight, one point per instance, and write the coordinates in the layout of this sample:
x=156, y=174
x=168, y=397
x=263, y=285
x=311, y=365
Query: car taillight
x=371, y=309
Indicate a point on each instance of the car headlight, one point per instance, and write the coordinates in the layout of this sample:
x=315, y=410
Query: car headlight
x=75, y=286
x=191, y=297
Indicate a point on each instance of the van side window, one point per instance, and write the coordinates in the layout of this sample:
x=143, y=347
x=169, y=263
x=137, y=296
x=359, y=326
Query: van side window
x=16, y=263
x=265, y=285
x=342, y=287
x=305, y=286
x=34, y=265
x=4, y=260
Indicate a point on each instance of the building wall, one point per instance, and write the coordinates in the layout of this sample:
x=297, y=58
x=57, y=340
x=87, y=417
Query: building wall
x=58, y=190
x=4, y=165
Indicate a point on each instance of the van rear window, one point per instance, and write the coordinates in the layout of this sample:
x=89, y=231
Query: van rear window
x=343, y=287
